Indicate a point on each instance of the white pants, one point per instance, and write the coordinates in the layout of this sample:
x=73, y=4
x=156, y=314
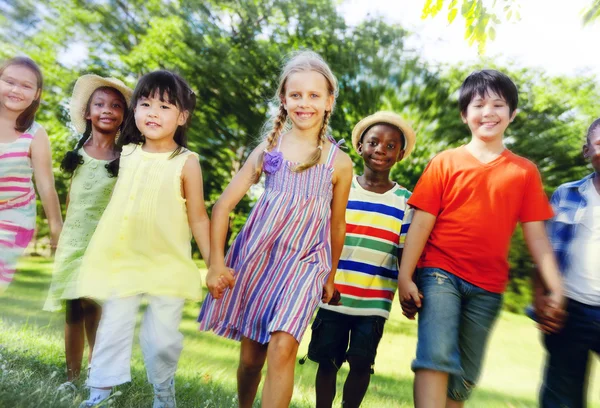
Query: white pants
x=160, y=340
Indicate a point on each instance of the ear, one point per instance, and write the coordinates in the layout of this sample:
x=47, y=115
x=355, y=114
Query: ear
x=586, y=151
x=183, y=117
x=400, y=155
x=359, y=147
x=329, y=105
x=463, y=117
x=38, y=94
x=512, y=117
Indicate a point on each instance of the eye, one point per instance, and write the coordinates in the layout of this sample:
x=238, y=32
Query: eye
x=373, y=143
x=117, y=105
x=314, y=95
x=144, y=104
x=99, y=104
x=294, y=95
x=390, y=146
x=165, y=107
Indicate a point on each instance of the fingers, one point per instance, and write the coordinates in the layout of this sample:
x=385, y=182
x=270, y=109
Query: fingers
x=416, y=298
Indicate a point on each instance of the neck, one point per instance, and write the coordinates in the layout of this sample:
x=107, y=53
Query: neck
x=596, y=181
x=164, y=145
x=102, y=140
x=376, y=178
x=311, y=134
x=492, y=146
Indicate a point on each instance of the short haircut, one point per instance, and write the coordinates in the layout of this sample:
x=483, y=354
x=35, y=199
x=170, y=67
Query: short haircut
x=595, y=125
x=480, y=83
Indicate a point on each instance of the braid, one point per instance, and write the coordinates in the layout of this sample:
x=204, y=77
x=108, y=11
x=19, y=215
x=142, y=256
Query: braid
x=73, y=159
x=272, y=138
x=316, y=156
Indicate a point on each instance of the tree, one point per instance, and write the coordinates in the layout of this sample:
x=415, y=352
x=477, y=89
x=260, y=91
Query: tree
x=482, y=17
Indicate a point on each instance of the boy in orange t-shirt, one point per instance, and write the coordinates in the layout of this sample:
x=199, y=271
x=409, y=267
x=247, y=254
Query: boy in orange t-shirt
x=467, y=204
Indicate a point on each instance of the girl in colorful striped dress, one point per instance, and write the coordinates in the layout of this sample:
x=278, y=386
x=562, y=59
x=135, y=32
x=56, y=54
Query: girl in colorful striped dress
x=284, y=259
x=98, y=108
x=24, y=151
x=141, y=248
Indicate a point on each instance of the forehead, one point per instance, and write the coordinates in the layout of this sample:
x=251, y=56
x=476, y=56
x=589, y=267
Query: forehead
x=594, y=134
x=488, y=95
x=20, y=73
x=384, y=130
x=107, y=93
x=306, y=80
x=155, y=95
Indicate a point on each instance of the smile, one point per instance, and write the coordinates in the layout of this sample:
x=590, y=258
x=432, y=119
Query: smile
x=152, y=124
x=304, y=115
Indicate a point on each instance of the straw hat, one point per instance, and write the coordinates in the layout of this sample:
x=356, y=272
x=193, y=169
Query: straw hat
x=389, y=118
x=84, y=88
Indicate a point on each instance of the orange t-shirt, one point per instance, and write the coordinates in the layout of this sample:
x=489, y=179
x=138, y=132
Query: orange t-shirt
x=477, y=207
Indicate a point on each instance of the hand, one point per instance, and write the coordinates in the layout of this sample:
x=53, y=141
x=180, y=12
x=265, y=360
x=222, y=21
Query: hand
x=409, y=297
x=328, y=290
x=551, y=312
x=218, y=279
x=335, y=298
x=409, y=308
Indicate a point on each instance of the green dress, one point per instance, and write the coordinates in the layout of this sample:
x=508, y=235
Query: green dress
x=91, y=188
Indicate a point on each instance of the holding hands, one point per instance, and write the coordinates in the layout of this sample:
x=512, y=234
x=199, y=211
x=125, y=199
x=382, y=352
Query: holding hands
x=218, y=279
x=410, y=297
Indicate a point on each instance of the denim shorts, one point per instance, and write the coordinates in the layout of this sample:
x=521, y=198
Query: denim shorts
x=455, y=321
x=336, y=336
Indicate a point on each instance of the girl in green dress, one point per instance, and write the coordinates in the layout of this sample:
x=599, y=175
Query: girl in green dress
x=98, y=109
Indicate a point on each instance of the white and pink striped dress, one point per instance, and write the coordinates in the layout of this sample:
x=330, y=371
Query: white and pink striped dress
x=281, y=258
x=17, y=203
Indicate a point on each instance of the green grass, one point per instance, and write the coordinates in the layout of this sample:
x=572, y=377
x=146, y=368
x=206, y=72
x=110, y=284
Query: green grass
x=32, y=360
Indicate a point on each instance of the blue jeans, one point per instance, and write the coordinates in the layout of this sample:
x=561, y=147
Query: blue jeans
x=455, y=321
x=565, y=379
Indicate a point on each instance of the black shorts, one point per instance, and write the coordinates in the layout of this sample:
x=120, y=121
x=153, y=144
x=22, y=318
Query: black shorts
x=335, y=336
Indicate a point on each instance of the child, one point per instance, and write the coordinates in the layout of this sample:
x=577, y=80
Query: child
x=377, y=218
x=141, y=247
x=284, y=259
x=24, y=151
x=575, y=235
x=467, y=204
x=98, y=107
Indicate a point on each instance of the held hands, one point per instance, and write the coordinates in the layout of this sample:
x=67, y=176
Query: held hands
x=328, y=292
x=218, y=279
x=410, y=297
x=550, y=311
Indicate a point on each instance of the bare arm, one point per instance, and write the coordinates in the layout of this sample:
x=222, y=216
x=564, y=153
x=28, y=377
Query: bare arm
x=549, y=275
x=218, y=273
x=41, y=159
x=416, y=238
x=342, y=179
x=197, y=216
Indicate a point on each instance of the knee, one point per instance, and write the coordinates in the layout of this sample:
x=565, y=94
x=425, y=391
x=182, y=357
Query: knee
x=282, y=349
x=360, y=364
x=251, y=363
x=74, y=311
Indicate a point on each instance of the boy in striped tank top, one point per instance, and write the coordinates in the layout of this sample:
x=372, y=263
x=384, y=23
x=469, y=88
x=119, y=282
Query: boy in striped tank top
x=377, y=219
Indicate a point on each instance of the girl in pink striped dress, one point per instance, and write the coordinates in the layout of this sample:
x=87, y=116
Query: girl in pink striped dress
x=24, y=150
x=283, y=261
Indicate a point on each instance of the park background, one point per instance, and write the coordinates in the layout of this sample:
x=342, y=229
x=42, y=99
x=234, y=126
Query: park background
x=385, y=57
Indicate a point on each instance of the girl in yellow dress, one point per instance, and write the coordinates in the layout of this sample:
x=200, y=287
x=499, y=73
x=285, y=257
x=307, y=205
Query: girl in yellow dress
x=141, y=247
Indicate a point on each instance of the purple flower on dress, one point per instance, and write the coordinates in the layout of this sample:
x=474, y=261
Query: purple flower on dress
x=272, y=161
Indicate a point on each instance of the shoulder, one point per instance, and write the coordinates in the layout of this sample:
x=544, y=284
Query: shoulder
x=129, y=149
x=342, y=161
x=522, y=162
x=36, y=129
x=574, y=184
x=402, y=192
x=446, y=158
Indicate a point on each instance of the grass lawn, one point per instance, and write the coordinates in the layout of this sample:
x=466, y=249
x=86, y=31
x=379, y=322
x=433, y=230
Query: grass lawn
x=32, y=360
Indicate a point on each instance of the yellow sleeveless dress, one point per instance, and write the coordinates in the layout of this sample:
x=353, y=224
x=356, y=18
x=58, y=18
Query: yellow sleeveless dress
x=142, y=243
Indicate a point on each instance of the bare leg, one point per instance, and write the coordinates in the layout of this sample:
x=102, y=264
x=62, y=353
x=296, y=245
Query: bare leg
x=450, y=403
x=252, y=360
x=74, y=338
x=325, y=384
x=281, y=361
x=431, y=388
x=92, y=313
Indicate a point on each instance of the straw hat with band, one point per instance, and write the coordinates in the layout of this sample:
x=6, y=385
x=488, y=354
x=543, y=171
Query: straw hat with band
x=84, y=88
x=388, y=118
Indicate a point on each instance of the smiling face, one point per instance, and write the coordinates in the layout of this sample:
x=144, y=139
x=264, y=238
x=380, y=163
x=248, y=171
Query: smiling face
x=18, y=88
x=381, y=147
x=306, y=99
x=157, y=119
x=488, y=116
x=106, y=110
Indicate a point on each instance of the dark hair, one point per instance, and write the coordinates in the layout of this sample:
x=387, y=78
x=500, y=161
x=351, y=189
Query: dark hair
x=164, y=84
x=480, y=83
x=26, y=118
x=73, y=159
x=595, y=125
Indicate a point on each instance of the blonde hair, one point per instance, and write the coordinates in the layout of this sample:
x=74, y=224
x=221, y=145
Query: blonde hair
x=302, y=61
